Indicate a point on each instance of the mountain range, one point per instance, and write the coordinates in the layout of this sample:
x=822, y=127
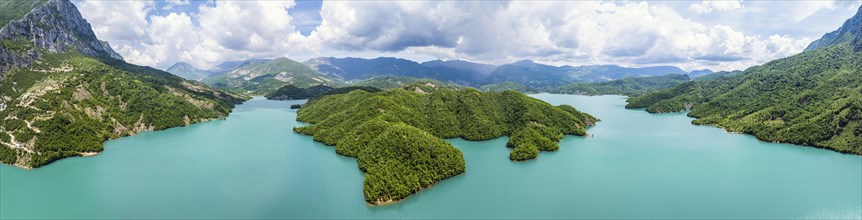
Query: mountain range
x=333, y=71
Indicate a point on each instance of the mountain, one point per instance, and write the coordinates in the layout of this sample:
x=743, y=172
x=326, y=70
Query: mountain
x=699, y=73
x=626, y=86
x=467, y=73
x=813, y=98
x=189, y=72
x=68, y=92
x=391, y=82
x=849, y=33
x=504, y=86
x=547, y=77
x=598, y=73
x=266, y=77
x=467, y=66
x=290, y=92
x=231, y=65
x=360, y=68
x=531, y=74
x=397, y=135
x=34, y=28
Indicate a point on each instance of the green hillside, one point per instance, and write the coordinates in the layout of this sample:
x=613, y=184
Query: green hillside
x=626, y=86
x=504, y=86
x=813, y=98
x=11, y=10
x=67, y=104
x=392, y=82
x=290, y=92
x=396, y=135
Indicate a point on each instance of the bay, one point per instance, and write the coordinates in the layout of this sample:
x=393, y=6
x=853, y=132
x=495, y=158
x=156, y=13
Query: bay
x=636, y=165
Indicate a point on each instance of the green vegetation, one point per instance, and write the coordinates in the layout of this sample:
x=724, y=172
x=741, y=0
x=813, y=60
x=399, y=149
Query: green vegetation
x=813, y=98
x=18, y=46
x=291, y=92
x=11, y=10
x=396, y=135
x=267, y=77
x=626, y=86
x=68, y=104
x=392, y=82
x=499, y=87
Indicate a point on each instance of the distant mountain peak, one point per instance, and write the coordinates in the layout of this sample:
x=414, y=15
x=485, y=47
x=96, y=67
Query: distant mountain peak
x=524, y=62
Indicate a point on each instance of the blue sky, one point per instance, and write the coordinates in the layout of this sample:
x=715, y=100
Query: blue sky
x=719, y=35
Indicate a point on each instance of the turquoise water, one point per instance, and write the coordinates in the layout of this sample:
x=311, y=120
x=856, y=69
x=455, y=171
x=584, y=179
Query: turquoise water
x=253, y=166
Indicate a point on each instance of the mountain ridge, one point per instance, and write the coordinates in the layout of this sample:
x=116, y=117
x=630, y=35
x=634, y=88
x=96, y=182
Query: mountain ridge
x=52, y=27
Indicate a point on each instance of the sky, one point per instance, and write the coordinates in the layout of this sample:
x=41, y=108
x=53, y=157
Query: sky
x=717, y=35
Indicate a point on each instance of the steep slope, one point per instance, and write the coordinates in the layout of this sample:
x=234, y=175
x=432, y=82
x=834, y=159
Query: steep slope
x=625, y=86
x=16, y=10
x=69, y=104
x=813, y=98
x=51, y=27
x=189, y=72
x=849, y=33
x=266, y=77
x=396, y=135
x=65, y=93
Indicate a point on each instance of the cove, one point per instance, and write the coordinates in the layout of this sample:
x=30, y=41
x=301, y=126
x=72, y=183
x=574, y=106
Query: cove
x=636, y=165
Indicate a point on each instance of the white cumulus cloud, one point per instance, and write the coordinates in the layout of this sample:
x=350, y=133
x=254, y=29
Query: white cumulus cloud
x=561, y=33
x=708, y=6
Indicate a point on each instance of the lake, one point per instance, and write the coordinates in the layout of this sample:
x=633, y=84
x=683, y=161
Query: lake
x=636, y=165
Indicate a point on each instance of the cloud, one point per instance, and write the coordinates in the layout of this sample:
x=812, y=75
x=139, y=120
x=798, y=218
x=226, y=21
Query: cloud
x=218, y=32
x=557, y=32
x=562, y=33
x=708, y=6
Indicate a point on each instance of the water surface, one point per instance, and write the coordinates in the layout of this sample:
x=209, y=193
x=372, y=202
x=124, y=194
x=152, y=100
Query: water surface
x=253, y=166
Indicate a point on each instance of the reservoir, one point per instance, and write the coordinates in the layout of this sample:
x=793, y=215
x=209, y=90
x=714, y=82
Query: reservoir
x=635, y=165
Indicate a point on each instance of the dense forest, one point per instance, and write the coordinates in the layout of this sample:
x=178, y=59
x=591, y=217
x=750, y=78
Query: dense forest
x=291, y=92
x=392, y=82
x=499, y=87
x=626, y=86
x=814, y=98
x=67, y=104
x=397, y=134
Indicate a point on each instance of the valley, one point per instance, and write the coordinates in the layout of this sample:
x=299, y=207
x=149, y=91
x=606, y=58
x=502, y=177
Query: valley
x=430, y=109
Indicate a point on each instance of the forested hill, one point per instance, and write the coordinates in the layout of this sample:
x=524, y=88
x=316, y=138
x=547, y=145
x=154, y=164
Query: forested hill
x=65, y=92
x=396, y=135
x=626, y=86
x=813, y=98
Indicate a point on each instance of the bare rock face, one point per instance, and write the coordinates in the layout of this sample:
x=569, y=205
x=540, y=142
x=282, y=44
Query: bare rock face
x=55, y=26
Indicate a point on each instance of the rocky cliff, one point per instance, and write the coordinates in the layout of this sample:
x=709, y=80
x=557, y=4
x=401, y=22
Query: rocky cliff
x=55, y=26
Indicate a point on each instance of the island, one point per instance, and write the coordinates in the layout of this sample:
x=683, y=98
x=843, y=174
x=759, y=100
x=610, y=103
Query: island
x=397, y=135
